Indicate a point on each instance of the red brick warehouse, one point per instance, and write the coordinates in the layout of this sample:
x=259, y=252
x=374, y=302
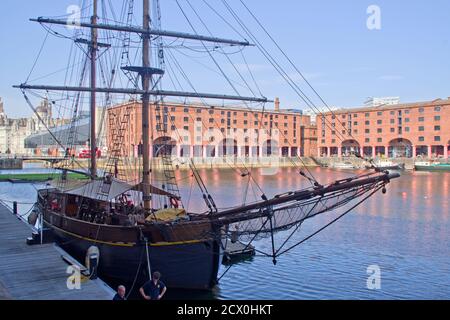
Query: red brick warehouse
x=217, y=131
x=403, y=130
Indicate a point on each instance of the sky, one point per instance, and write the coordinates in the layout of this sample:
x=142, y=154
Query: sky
x=328, y=40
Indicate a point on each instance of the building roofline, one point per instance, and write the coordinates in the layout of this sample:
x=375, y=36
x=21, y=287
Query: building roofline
x=434, y=103
x=217, y=107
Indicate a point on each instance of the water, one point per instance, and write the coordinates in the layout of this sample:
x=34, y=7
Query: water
x=405, y=233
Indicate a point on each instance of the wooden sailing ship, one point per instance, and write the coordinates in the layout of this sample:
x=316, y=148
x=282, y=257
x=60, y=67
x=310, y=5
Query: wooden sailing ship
x=135, y=238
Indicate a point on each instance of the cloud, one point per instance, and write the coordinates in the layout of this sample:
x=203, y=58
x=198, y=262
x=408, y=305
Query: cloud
x=391, y=77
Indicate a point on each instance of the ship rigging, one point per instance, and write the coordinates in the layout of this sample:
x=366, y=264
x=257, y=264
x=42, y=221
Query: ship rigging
x=143, y=219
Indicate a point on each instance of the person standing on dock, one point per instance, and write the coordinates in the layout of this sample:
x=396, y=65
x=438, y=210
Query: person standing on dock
x=120, y=295
x=154, y=289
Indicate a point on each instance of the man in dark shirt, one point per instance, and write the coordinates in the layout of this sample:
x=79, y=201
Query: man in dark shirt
x=120, y=295
x=154, y=289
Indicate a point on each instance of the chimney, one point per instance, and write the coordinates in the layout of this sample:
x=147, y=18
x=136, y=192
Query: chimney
x=277, y=104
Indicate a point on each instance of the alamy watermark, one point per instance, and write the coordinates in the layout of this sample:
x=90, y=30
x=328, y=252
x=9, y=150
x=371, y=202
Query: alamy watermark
x=74, y=18
x=374, y=18
x=374, y=280
x=74, y=280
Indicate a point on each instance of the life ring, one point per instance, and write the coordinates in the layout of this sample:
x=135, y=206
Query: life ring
x=174, y=203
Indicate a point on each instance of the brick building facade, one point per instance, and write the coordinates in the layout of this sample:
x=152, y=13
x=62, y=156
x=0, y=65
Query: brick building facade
x=403, y=130
x=213, y=131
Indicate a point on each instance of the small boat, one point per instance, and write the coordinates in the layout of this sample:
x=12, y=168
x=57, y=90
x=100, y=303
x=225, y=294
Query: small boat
x=387, y=165
x=432, y=166
x=343, y=165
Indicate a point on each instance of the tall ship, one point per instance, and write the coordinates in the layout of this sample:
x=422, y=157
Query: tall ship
x=139, y=224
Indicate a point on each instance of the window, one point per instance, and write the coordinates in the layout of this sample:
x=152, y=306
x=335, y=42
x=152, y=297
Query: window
x=437, y=109
x=199, y=119
x=186, y=110
x=211, y=120
x=392, y=113
x=421, y=110
x=367, y=115
x=437, y=128
x=392, y=130
x=380, y=130
x=380, y=122
x=421, y=139
x=211, y=111
x=406, y=129
x=333, y=141
x=421, y=128
x=380, y=140
x=333, y=133
x=174, y=109
x=355, y=123
x=367, y=140
x=437, y=118
x=367, y=131
x=367, y=123
x=323, y=141
x=406, y=119
x=199, y=110
x=379, y=113
x=186, y=128
x=186, y=119
x=437, y=138
x=392, y=121
x=406, y=111
x=421, y=119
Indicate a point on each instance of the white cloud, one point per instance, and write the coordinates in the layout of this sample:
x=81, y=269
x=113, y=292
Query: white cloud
x=391, y=77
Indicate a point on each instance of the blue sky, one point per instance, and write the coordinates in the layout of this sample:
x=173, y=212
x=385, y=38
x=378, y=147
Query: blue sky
x=328, y=40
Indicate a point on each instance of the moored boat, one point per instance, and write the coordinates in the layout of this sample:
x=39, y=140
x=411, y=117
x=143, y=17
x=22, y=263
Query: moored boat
x=387, y=165
x=347, y=165
x=432, y=166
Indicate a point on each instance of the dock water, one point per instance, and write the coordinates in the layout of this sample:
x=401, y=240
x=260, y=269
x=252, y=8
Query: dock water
x=37, y=272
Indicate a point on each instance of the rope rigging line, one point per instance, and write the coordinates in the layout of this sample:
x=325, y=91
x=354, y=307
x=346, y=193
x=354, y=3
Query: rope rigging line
x=230, y=82
x=284, y=74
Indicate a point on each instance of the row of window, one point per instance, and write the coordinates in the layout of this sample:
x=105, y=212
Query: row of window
x=380, y=122
x=392, y=113
x=228, y=113
x=380, y=140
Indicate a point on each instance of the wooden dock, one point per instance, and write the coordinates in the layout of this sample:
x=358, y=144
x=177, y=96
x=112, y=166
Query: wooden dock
x=37, y=272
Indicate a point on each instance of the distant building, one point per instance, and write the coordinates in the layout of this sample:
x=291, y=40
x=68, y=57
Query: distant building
x=78, y=134
x=376, y=102
x=13, y=132
x=401, y=130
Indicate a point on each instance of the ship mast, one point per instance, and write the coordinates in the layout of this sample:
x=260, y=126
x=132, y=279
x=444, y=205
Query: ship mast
x=146, y=80
x=93, y=85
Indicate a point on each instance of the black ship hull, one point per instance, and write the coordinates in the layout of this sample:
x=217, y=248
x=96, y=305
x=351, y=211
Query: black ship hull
x=183, y=266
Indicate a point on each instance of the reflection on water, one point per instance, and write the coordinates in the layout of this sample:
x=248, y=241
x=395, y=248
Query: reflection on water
x=405, y=233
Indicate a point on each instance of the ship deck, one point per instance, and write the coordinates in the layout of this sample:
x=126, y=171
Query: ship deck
x=37, y=272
